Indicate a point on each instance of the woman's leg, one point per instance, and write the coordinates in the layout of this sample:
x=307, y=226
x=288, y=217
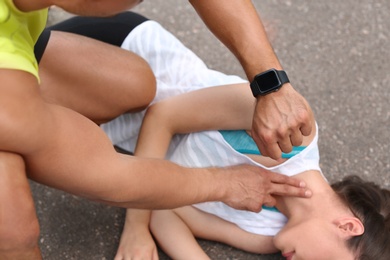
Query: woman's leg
x=19, y=228
x=98, y=80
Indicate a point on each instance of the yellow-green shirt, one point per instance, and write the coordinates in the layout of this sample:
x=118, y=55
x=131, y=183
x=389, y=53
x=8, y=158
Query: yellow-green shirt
x=19, y=32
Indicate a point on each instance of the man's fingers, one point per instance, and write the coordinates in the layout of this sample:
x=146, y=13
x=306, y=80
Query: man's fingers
x=288, y=190
x=287, y=186
x=273, y=151
x=296, y=138
x=285, y=145
x=306, y=128
x=282, y=179
x=270, y=201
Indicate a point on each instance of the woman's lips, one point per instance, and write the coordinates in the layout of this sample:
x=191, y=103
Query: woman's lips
x=288, y=255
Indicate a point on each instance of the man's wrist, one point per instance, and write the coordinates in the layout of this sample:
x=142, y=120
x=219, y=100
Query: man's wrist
x=268, y=81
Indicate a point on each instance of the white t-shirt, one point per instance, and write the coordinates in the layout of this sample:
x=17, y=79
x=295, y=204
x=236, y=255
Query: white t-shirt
x=209, y=148
x=178, y=70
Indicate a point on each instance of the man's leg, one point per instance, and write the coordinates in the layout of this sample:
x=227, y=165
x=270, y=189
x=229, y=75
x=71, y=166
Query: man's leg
x=19, y=228
x=98, y=80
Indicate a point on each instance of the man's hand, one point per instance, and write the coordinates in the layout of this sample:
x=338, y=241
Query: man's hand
x=280, y=121
x=252, y=187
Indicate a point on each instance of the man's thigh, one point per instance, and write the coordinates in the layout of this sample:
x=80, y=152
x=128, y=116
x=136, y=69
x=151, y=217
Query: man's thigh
x=98, y=80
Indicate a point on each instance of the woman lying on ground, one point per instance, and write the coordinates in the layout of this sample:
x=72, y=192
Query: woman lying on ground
x=349, y=220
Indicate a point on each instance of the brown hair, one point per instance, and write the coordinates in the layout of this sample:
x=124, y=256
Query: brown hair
x=371, y=205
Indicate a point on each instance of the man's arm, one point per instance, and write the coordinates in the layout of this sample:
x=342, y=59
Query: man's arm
x=215, y=108
x=282, y=118
x=237, y=24
x=79, y=7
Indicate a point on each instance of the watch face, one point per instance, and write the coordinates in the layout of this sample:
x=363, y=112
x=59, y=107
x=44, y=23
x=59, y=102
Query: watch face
x=268, y=81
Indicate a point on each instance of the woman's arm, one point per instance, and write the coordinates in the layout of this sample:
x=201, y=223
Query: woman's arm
x=210, y=108
x=214, y=108
x=222, y=107
x=227, y=107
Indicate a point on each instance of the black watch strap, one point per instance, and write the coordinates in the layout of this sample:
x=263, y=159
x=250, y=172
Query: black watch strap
x=283, y=76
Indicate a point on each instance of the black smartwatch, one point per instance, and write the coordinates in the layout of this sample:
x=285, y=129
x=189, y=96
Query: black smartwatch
x=268, y=81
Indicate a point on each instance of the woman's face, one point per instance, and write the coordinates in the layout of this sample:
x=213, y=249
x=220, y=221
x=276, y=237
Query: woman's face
x=312, y=239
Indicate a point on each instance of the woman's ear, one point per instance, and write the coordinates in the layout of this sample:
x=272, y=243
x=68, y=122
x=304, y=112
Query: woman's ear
x=350, y=226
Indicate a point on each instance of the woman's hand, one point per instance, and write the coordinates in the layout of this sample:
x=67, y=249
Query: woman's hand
x=136, y=240
x=136, y=243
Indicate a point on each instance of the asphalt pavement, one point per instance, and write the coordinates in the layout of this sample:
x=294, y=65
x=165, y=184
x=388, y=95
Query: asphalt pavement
x=336, y=54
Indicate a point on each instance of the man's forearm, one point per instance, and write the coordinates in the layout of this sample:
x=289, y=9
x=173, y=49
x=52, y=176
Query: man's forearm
x=158, y=184
x=237, y=24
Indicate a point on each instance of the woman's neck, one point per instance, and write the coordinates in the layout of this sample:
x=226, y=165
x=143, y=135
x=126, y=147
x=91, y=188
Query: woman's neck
x=323, y=200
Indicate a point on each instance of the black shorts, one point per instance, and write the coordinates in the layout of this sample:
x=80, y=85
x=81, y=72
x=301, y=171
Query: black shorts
x=112, y=30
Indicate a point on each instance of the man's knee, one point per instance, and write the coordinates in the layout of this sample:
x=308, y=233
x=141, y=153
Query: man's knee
x=11, y=163
x=19, y=227
x=20, y=236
